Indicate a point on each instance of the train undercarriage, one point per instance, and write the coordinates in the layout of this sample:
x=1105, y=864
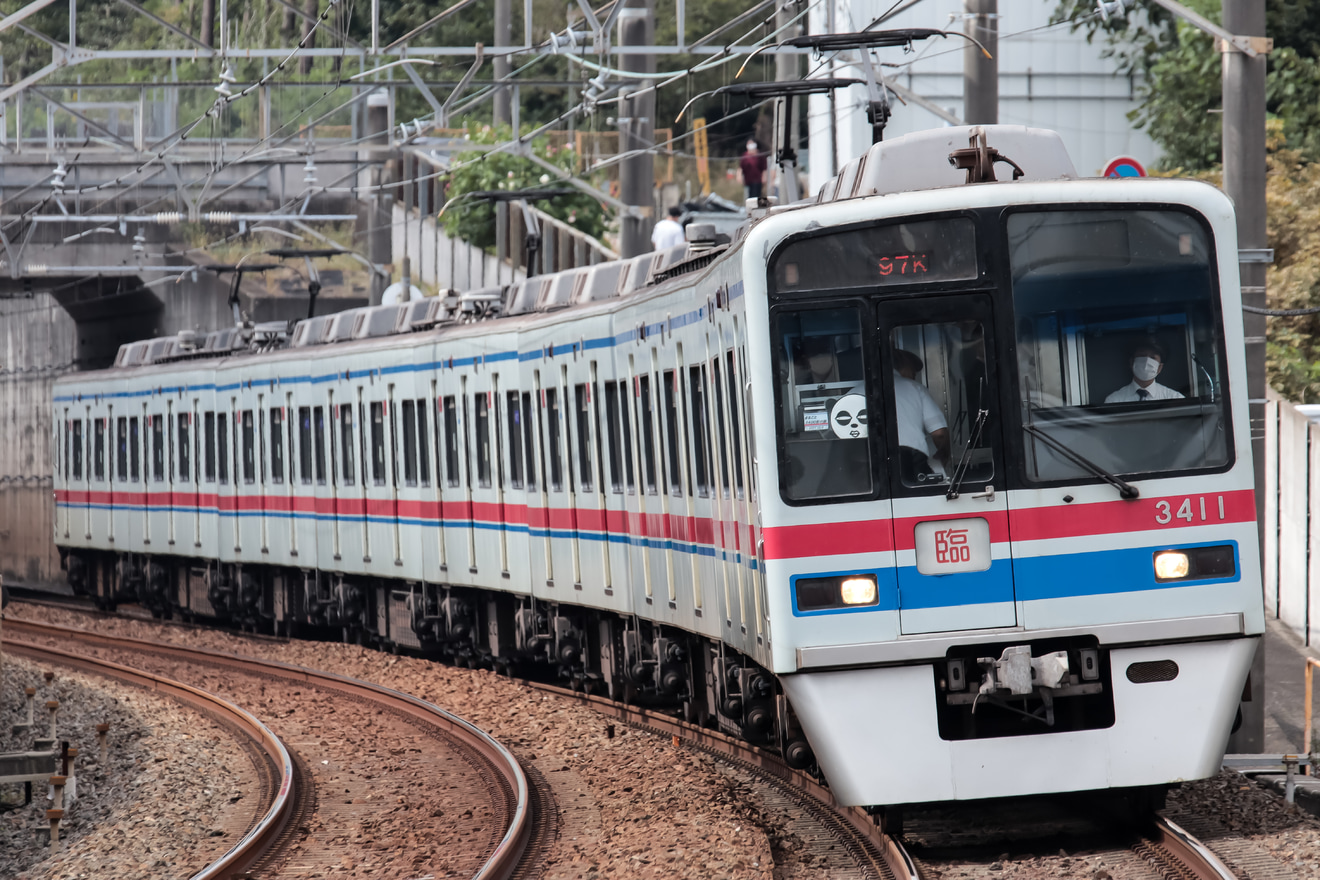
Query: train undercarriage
x=621, y=657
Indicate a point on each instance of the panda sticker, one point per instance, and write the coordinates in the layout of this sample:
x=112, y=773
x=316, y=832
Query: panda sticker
x=848, y=417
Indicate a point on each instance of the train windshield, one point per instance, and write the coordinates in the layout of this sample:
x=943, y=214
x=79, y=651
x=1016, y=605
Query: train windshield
x=1119, y=343
x=823, y=388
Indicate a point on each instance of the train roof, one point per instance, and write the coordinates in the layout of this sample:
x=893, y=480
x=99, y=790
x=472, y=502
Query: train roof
x=918, y=161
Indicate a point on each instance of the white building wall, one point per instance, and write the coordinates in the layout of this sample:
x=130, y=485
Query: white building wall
x=1049, y=77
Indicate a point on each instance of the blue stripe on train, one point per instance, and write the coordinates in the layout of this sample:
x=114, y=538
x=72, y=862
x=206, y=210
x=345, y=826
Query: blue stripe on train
x=552, y=350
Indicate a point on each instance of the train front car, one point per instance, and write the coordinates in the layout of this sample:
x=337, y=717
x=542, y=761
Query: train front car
x=1007, y=517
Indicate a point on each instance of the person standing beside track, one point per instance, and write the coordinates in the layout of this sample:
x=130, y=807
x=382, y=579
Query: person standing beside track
x=752, y=166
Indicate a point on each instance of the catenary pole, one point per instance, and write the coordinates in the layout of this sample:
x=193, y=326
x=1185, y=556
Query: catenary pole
x=500, y=113
x=981, y=74
x=1244, y=182
x=636, y=132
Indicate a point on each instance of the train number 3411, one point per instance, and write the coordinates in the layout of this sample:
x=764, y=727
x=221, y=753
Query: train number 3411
x=1191, y=509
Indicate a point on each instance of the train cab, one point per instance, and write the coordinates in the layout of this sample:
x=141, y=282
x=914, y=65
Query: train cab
x=1010, y=461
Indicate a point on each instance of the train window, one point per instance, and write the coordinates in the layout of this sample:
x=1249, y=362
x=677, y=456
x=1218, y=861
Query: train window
x=467, y=439
x=672, y=432
x=822, y=405
x=720, y=431
x=305, y=444
x=378, y=443
x=409, y=443
x=134, y=449
x=907, y=252
x=249, y=447
x=185, y=447
x=585, y=436
x=98, y=448
x=346, y=473
x=1120, y=348
x=732, y=376
x=942, y=403
x=626, y=424
x=394, y=439
x=646, y=437
x=77, y=449
x=157, y=424
x=65, y=471
x=423, y=453
x=222, y=446
x=318, y=431
x=612, y=435
x=556, y=464
x=277, y=444
x=700, y=429
x=208, y=446
x=529, y=451
x=515, y=440
x=121, y=449
x=482, y=406
x=451, y=440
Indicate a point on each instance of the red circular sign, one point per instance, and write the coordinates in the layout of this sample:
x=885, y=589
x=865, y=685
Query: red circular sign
x=1124, y=166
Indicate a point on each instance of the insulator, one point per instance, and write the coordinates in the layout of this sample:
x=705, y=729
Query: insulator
x=219, y=216
x=167, y=218
x=36, y=269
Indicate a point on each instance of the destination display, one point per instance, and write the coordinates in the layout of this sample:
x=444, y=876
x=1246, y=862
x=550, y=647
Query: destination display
x=910, y=252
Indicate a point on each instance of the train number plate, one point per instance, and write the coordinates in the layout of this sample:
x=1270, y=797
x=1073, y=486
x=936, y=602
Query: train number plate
x=950, y=546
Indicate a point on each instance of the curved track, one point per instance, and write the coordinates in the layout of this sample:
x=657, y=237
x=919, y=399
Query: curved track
x=518, y=817
x=285, y=799
x=1169, y=850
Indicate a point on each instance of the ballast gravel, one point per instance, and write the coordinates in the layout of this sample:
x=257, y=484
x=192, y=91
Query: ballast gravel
x=171, y=797
x=636, y=806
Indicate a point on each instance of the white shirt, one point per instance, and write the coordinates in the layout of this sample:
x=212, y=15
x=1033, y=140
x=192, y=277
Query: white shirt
x=1154, y=391
x=918, y=415
x=667, y=234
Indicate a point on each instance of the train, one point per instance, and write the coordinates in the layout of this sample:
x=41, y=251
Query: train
x=939, y=482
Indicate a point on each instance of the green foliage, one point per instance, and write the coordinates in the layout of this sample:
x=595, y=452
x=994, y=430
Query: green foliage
x=1181, y=98
x=1182, y=82
x=474, y=220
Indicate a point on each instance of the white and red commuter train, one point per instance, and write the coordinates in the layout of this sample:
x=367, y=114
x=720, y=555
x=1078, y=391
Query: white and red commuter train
x=944, y=487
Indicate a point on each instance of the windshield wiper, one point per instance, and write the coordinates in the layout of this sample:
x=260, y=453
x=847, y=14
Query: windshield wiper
x=961, y=470
x=1125, y=489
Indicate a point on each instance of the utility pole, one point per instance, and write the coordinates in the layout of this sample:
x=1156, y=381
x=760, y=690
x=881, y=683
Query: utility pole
x=378, y=207
x=208, y=22
x=1244, y=183
x=503, y=37
x=637, y=130
x=981, y=74
x=788, y=67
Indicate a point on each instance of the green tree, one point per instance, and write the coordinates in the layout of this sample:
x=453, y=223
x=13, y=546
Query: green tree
x=1181, y=74
x=474, y=220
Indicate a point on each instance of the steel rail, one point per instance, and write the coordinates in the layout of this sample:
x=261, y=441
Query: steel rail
x=502, y=862
x=896, y=858
x=248, y=849
x=1193, y=854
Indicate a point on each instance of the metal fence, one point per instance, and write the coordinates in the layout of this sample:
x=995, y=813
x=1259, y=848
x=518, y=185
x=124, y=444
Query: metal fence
x=1292, y=519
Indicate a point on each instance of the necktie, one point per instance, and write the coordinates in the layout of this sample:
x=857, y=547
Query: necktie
x=1142, y=394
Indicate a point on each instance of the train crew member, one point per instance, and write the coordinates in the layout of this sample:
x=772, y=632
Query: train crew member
x=923, y=432
x=817, y=364
x=752, y=166
x=668, y=232
x=1146, y=362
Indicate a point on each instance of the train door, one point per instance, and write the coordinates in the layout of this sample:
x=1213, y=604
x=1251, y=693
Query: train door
x=955, y=569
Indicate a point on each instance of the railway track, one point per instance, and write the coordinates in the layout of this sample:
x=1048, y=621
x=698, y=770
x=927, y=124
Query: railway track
x=507, y=785
x=1170, y=852
x=284, y=796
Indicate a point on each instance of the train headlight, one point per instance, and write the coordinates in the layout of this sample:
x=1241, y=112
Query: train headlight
x=1196, y=563
x=858, y=590
x=1171, y=565
x=834, y=592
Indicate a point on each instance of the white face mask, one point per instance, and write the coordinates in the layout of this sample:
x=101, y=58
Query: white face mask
x=1145, y=368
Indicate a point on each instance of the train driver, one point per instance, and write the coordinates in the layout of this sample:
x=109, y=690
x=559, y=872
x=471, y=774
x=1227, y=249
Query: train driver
x=1146, y=361
x=923, y=432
